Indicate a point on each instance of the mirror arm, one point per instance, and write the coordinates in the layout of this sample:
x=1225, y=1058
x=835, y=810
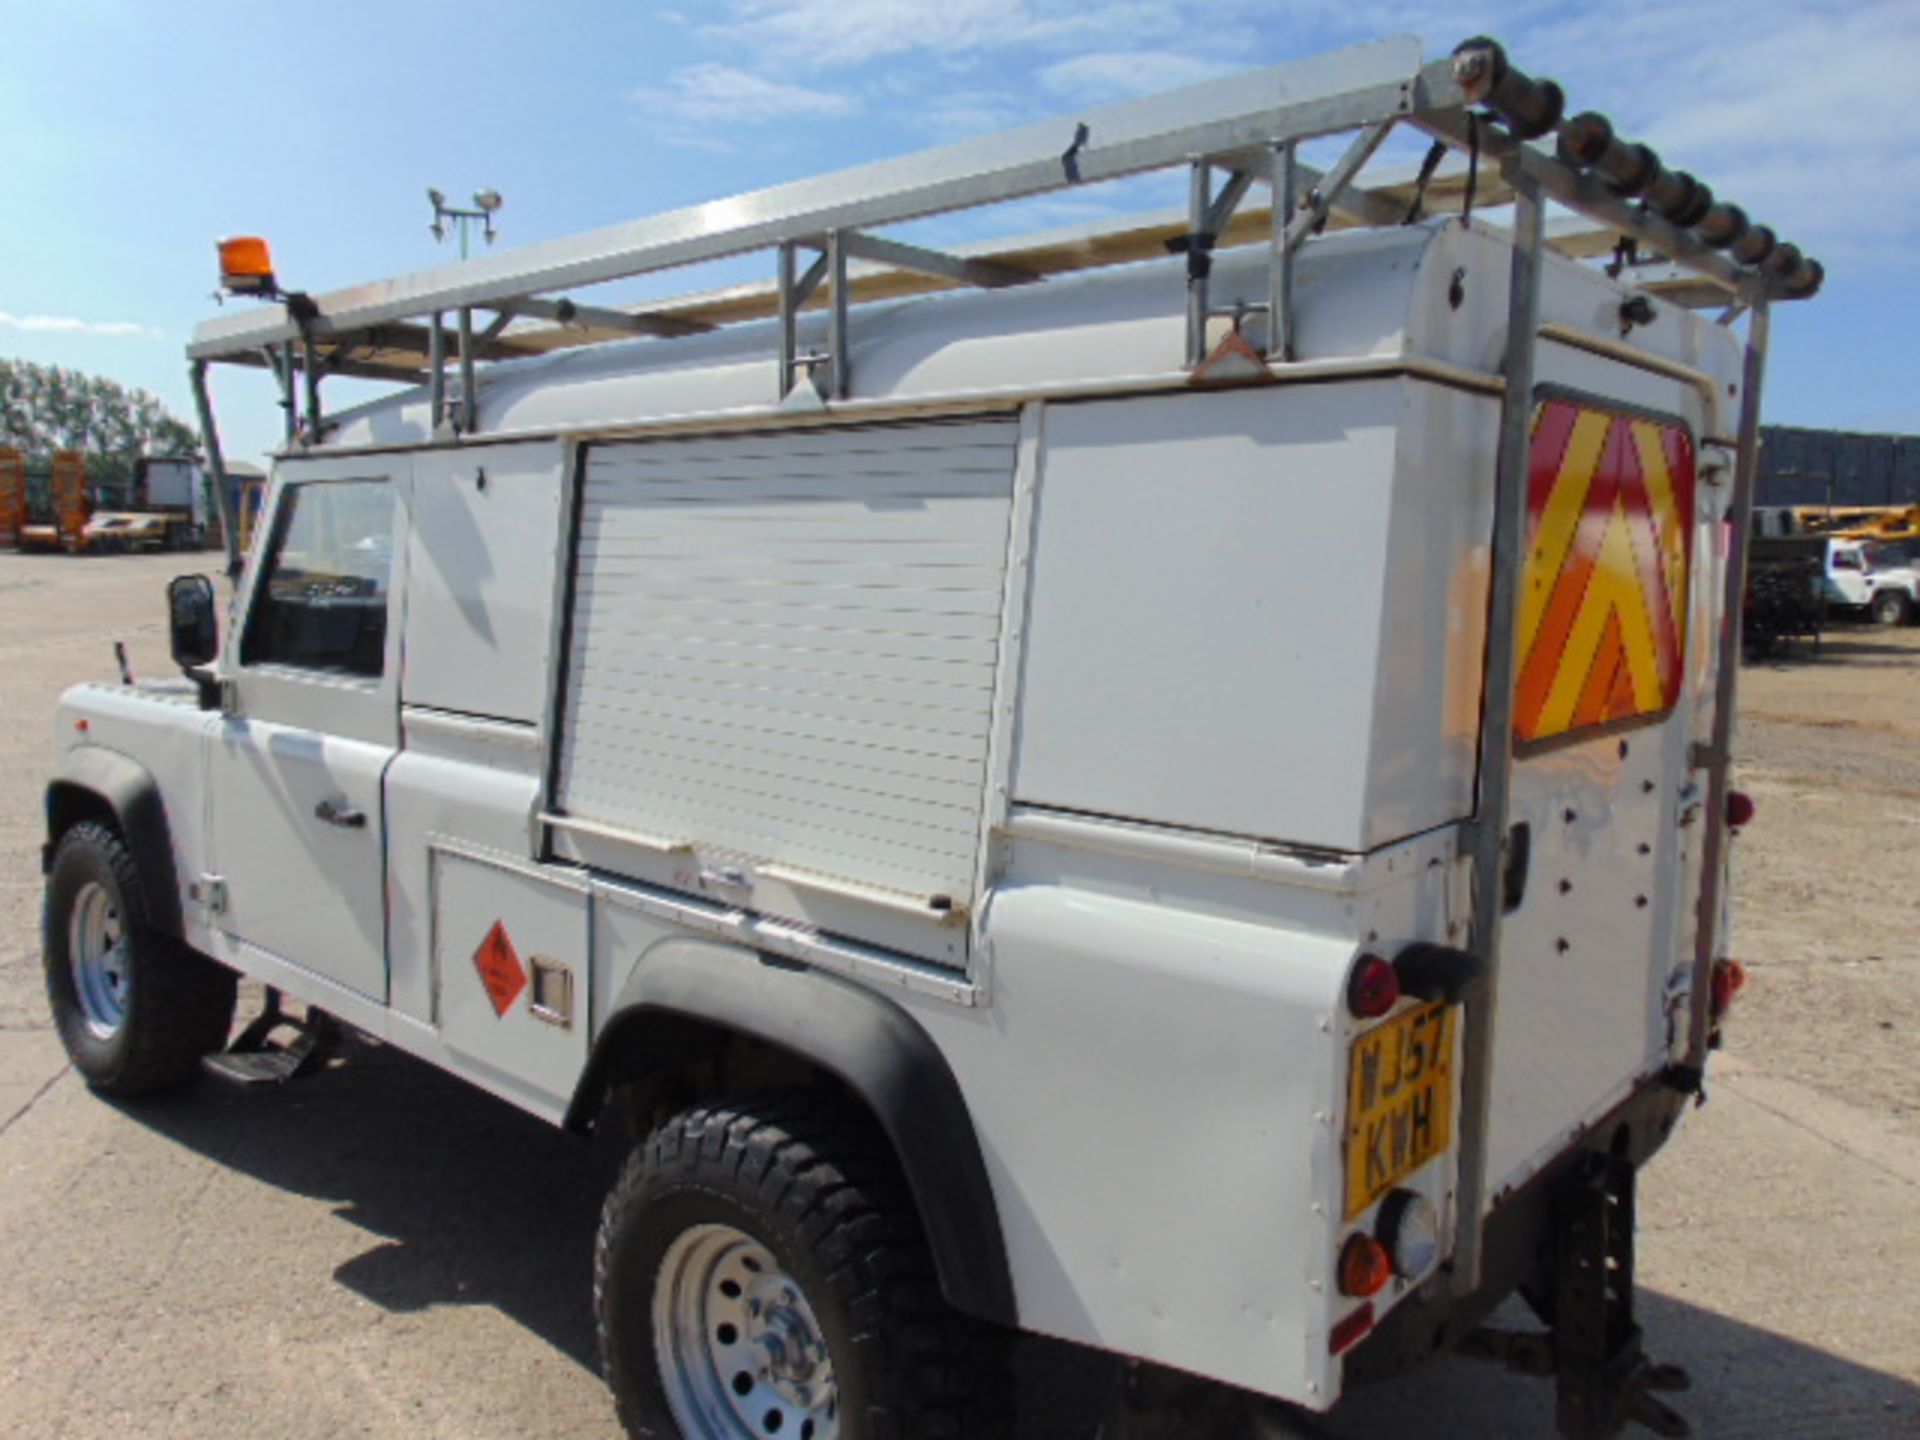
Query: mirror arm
x=206, y=683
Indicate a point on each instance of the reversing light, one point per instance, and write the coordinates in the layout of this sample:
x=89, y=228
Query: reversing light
x=1410, y=1229
x=246, y=266
x=1365, y=1267
x=1373, y=987
x=1740, y=808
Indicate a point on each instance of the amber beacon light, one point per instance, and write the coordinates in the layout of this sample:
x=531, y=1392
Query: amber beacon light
x=246, y=266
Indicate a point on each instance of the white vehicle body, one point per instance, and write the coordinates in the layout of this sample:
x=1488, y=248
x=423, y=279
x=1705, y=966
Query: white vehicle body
x=1170, y=791
x=1085, y=724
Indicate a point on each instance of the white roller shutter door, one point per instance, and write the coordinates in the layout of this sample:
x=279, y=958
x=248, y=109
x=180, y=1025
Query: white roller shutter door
x=783, y=648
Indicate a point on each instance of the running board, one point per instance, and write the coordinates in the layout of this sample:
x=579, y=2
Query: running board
x=256, y=1057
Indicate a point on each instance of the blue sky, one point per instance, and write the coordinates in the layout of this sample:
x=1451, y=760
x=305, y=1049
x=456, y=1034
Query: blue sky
x=138, y=131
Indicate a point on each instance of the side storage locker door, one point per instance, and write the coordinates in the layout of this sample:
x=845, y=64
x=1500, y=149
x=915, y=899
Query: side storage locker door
x=780, y=679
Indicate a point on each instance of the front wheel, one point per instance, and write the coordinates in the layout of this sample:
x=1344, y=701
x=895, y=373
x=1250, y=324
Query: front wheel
x=761, y=1271
x=136, y=1009
x=1890, y=607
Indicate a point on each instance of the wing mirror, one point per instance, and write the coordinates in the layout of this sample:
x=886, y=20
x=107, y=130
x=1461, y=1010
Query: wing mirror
x=194, y=628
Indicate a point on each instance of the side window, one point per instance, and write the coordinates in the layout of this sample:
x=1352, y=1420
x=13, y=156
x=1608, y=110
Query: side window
x=321, y=603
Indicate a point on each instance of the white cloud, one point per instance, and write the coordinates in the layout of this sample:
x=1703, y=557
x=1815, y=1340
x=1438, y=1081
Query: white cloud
x=961, y=113
x=711, y=92
x=1796, y=113
x=1122, y=74
x=74, y=325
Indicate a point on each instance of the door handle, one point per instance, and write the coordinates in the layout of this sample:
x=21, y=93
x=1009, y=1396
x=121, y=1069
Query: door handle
x=345, y=816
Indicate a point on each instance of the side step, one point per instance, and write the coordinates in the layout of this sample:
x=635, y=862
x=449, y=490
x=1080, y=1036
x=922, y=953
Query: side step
x=256, y=1057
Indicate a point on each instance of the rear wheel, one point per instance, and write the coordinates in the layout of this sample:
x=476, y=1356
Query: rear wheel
x=136, y=1009
x=1890, y=607
x=760, y=1271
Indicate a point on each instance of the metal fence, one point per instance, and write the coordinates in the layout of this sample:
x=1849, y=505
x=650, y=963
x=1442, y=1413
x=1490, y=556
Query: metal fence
x=1801, y=466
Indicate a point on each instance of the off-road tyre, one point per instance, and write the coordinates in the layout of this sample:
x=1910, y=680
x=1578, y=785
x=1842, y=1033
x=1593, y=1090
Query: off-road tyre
x=1891, y=607
x=811, y=1180
x=175, y=1004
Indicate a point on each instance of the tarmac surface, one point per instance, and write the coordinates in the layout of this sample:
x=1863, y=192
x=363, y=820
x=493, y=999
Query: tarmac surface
x=380, y=1250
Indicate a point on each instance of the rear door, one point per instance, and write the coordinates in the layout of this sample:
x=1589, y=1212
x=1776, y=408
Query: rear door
x=1616, y=587
x=312, y=724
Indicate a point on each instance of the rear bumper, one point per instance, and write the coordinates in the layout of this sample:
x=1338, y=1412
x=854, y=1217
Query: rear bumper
x=1516, y=1248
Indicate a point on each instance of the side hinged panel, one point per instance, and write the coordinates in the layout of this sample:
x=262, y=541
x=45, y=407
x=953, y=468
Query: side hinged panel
x=780, y=679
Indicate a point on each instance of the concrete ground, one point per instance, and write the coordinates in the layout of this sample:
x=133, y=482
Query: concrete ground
x=382, y=1251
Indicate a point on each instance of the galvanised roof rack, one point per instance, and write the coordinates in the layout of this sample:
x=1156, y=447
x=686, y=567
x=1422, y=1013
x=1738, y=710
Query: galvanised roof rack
x=1241, y=131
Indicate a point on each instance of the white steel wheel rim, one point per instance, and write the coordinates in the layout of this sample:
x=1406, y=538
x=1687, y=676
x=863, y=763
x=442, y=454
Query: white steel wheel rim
x=97, y=953
x=740, y=1351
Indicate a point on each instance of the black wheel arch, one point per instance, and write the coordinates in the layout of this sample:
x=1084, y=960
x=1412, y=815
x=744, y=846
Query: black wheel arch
x=96, y=783
x=689, y=995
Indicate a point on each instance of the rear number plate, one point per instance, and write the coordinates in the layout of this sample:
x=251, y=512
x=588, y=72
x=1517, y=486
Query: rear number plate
x=1399, y=1101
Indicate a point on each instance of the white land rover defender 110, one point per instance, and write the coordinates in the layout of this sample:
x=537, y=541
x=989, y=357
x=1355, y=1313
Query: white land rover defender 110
x=886, y=735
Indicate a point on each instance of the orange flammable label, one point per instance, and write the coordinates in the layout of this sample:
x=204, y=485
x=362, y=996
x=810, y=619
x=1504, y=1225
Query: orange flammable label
x=500, y=968
x=1603, y=601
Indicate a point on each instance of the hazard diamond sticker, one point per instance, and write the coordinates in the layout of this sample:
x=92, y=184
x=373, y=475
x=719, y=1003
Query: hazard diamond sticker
x=500, y=968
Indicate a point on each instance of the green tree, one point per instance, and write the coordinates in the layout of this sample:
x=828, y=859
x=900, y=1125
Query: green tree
x=44, y=408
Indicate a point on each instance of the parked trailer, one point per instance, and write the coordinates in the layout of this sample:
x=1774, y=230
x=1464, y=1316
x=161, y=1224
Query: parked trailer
x=885, y=736
x=170, y=500
x=1786, y=592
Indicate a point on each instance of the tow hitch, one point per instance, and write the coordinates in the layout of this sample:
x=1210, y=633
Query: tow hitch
x=1602, y=1378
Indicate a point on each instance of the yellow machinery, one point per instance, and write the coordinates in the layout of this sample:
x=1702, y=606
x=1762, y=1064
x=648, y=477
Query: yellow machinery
x=67, y=498
x=1859, y=522
x=13, y=495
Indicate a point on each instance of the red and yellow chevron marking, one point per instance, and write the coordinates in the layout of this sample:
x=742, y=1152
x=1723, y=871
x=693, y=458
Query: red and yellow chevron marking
x=1603, y=602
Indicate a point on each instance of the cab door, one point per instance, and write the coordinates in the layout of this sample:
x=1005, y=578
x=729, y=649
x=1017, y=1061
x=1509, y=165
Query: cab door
x=311, y=724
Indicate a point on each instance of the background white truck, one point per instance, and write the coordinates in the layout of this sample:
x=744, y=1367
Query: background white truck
x=898, y=754
x=1880, y=577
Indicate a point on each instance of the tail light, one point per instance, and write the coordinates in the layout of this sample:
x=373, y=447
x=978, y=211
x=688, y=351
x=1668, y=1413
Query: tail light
x=1740, y=808
x=1729, y=979
x=1373, y=988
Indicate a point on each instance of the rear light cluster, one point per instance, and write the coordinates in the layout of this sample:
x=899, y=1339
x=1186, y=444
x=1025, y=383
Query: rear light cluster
x=1740, y=809
x=1405, y=1242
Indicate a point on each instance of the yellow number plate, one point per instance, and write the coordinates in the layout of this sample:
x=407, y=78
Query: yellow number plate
x=1399, y=1101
